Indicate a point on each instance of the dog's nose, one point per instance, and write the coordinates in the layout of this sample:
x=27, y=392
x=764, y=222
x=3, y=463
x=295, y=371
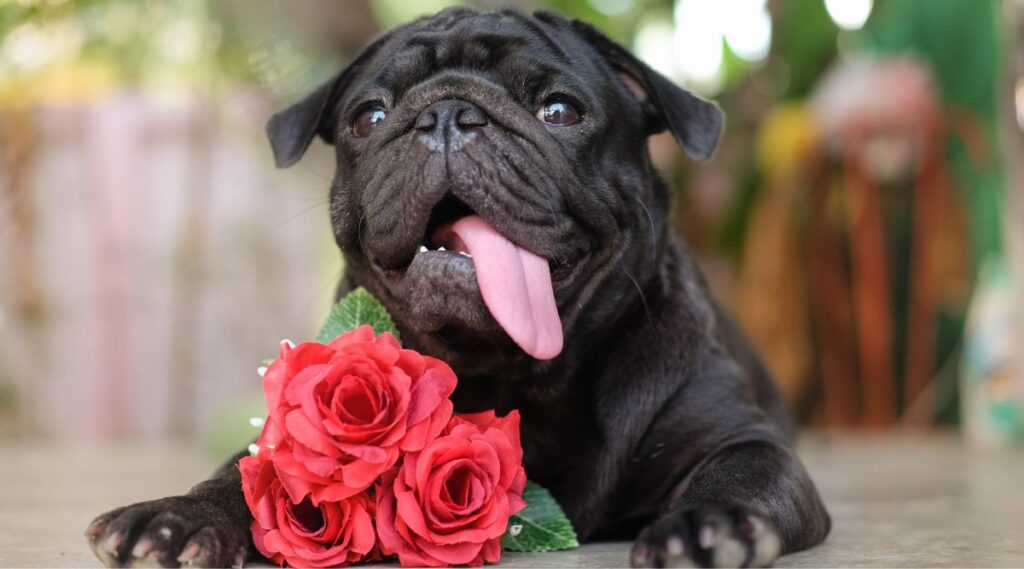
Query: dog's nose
x=449, y=121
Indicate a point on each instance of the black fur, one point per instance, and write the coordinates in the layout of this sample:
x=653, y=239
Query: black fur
x=657, y=422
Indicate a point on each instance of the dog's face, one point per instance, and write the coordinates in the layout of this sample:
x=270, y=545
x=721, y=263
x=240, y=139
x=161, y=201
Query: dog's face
x=518, y=145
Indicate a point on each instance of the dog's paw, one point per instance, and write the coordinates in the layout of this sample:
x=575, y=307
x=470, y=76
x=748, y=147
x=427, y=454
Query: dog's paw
x=172, y=532
x=708, y=536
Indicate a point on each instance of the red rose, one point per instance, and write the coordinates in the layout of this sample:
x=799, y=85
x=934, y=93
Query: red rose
x=449, y=504
x=301, y=534
x=341, y=414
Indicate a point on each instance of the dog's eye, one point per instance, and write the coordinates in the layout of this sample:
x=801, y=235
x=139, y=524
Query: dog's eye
x=559, y=112
x=368, y=119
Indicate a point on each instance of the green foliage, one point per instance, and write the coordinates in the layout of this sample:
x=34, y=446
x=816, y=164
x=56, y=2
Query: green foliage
x=355, y=309
x=391, y=13
x=541, y=526
x=805, y=38
x=156, y=42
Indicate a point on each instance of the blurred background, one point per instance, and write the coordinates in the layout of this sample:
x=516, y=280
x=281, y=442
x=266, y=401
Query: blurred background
x=863, y=218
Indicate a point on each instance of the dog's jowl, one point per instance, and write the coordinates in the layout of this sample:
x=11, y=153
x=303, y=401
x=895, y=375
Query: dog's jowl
x=470, y=145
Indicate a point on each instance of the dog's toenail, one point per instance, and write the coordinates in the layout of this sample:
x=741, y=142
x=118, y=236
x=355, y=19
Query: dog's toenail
x=94, y=529
x=188, y=554
x=113, y=542
x=706, y=536
x=639, y=556
x=142, y=548
x=674, y=546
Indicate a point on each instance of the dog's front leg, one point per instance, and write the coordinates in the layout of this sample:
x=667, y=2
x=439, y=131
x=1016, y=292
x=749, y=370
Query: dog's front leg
x=743, y=507
x=207, y=527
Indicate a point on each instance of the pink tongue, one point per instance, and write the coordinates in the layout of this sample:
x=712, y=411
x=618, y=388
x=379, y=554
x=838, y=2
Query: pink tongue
x=516, y=286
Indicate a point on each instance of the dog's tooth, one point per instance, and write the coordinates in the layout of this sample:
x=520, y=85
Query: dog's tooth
x=465, y=254
x=441, y=249
x=423, y=248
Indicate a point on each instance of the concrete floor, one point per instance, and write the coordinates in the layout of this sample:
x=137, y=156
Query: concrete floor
x=896, y=502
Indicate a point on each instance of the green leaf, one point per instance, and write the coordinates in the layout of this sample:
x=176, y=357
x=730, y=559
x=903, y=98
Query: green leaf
x=355, y=309
x=541, y=526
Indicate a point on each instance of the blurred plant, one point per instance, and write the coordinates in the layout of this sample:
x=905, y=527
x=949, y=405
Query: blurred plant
x=391, y=13
x=93, y=44
x=73, y=50
x=96, y=42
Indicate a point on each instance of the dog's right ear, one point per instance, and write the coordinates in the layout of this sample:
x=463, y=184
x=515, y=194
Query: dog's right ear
x=695, y=123
x=292, y=130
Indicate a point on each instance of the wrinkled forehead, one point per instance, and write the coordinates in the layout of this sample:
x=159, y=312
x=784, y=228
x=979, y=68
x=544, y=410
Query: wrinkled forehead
x=508, y=48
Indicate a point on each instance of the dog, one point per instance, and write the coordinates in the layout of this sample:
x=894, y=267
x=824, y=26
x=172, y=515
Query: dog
x=494, y=190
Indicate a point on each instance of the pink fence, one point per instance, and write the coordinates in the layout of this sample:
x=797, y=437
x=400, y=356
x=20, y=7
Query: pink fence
x=150, y=258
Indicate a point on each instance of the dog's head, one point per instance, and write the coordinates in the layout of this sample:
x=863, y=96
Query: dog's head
x=493, y=185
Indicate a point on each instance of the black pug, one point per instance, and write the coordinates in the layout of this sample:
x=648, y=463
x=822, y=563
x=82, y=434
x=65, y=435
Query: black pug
x=495, y=191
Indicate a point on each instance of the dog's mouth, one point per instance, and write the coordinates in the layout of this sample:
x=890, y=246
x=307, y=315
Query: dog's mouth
x=438, y=236
x=462, y=254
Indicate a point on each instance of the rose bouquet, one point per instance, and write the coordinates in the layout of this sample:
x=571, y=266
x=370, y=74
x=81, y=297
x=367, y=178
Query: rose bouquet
x=361, y=458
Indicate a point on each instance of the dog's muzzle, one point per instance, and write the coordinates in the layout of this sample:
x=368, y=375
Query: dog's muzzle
x=449, y=124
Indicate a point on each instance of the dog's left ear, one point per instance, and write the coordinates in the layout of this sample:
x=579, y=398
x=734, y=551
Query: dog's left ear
x=292, y=130
x=695, y=123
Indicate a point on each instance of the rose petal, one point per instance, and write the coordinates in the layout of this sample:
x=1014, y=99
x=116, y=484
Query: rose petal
x=296, y=482
x=435, y=385
x=299, y=426
x=491, y=551
x=420, y=434
x=357, y=335
x=453, y=554
x=362, y=473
